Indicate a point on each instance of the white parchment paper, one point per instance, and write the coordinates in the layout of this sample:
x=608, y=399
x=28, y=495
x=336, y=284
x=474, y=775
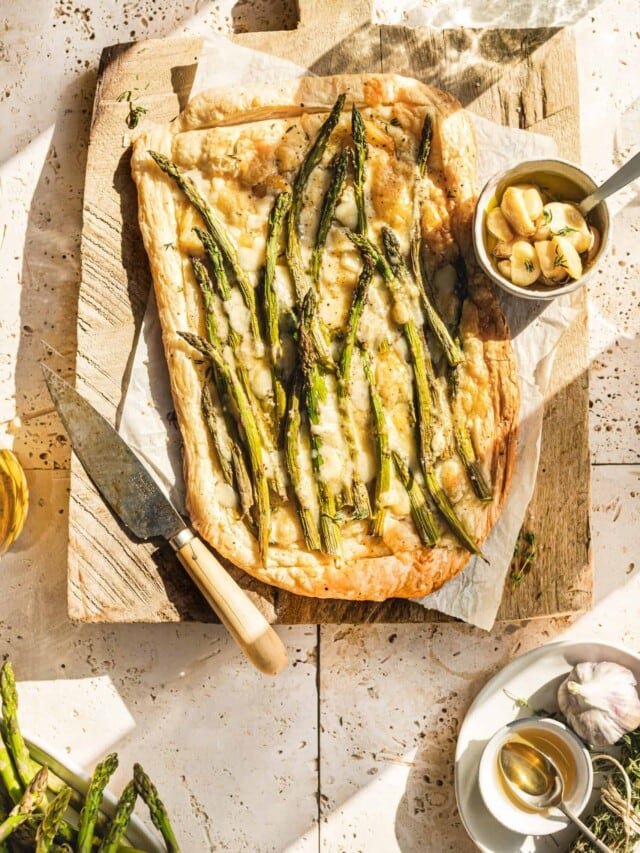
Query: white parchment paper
x=146, y=421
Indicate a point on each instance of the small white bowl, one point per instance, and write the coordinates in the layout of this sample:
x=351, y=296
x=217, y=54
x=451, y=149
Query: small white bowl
x=505, y=809
x=532, y=171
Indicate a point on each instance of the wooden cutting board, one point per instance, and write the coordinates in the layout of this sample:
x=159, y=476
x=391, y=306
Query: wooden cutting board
x=522, y=78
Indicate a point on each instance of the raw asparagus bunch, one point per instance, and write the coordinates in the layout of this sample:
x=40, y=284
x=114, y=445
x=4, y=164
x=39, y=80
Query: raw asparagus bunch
x=40, y=825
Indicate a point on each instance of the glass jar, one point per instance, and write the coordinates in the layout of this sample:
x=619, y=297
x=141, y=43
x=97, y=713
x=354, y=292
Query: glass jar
x=14, y=499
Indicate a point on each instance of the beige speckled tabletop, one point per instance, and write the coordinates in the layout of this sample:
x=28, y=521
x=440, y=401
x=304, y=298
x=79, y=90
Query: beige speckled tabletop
x=352, y=747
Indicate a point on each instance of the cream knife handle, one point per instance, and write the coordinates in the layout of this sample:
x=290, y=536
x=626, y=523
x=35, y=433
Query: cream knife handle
x=238, y=614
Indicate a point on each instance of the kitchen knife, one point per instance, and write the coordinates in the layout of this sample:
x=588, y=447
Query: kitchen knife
x=135, y=497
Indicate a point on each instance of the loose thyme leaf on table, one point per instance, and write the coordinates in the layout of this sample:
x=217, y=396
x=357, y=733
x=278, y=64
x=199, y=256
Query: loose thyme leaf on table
x=524, y=555
x=136, y=111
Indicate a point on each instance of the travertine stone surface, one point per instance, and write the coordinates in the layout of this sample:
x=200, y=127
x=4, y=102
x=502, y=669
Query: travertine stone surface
x=236, y=756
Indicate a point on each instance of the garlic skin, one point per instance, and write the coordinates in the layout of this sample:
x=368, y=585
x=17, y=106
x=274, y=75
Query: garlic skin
x=600, y=702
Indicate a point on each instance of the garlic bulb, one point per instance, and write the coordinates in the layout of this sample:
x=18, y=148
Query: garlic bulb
x=600, y=702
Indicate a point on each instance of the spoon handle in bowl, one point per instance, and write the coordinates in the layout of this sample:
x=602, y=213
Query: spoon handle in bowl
x=584, y=829
x=627, y=173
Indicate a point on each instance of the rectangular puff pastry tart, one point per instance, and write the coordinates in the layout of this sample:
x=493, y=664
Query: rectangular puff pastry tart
x=341, y=371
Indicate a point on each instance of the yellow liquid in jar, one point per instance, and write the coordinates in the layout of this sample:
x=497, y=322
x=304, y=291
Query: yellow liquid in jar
x=14, y=499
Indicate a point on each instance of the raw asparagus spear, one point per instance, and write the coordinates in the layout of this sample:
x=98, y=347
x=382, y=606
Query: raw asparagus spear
x=219, y=235
x=359, y=134
x=8, y=773
x=329, y=203
x=248, y=423
x=272, y=315
x=292, y=433
x=24, y=764
x=383, y=455
x=420, y=512
x=315, y=393
x=30, y=801
x=148, y=792
x=118, y=826
x=101, y=775
x=52, y=821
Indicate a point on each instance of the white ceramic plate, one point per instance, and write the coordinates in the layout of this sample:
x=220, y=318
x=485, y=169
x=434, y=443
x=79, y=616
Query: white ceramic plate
x=137, y=836
x=534, y=676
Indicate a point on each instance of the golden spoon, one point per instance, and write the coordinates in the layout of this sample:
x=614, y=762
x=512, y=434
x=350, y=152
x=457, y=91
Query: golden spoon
x=535, y=780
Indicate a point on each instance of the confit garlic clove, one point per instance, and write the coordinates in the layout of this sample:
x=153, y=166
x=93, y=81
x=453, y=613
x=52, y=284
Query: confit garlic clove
x=503, y=249
x=532, y=199
x=567, y=257
x=498, y=226
x=514, y=208
x=546, y=252
x=525, y=267
x=504, y=268
x=565, y=220
x=600, y=702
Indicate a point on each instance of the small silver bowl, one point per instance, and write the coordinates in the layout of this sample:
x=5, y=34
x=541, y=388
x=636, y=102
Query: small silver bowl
x=535, y=171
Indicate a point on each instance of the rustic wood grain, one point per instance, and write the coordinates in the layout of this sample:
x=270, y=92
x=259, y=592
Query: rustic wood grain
x=524, y=78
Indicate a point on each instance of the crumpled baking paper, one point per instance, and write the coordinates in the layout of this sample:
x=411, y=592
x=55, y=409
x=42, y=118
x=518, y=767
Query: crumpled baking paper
x=146, y=424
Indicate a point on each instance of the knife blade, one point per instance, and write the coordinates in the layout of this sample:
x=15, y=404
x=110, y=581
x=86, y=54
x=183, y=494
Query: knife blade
x=135, y=497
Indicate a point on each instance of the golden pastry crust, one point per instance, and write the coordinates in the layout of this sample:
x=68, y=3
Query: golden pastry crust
x=242, y=147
